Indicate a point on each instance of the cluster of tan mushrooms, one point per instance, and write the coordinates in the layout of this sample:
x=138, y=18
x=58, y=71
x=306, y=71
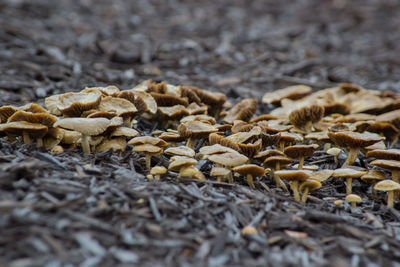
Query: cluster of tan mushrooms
x=197, y=124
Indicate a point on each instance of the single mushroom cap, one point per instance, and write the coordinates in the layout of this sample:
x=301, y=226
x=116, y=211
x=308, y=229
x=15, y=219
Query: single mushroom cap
x=177, y=164
x=41, y=118
x=250, y=149
x=171, y=137
x=387, y=164
x=191, y=172
x=242, y=137
x=268, y=153
x=348, y=173
x=124, y=131
x=195, y=109
x=74, y=104
x=298, y=151
x=148, y=140
x=390, y=154
x=353, y=199
x=373, y=176
x=168, y=100
x=180, y=151
x=86, y=126
x=252, y=169
x=387, y=185
x=148, y=148
x=215, y=149
x=219, y=171
x=158, y=170
x=121, y=106
x=201, y=117
x=229, y=159
x=116, y=144
x=6, y=112
x=144, y=102
x=291, y=92
x=34, y=130
x=353, y=139
x=311, y=184
x=272, y=161
x=294, y=175
x=173, y=113
x=243, y=110
x=321, y=175
x=304, y=117
x=334, y=151
x=196, y=129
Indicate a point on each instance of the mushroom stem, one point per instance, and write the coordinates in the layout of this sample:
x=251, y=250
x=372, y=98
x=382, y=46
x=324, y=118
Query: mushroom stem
x=396, y=178
x=327, y=146
x=305, y=195
x=85, y=144
x=250, y=181
x=281, y=145
x=308, y=127
x=39, y=142
x=230, y=178
x=294, y=185
x=353, y=204
x=353, y=153
x=390, y=199
x=301, y=163
x=27, y=139
x=349, y=182
x=190, y=143
x=157, y=176
x=373, y=191
x=148, y=161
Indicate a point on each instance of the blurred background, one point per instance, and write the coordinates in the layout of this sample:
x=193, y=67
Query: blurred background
x=239, y=47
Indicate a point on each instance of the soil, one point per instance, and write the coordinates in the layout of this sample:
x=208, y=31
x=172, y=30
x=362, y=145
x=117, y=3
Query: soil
x=92, y=210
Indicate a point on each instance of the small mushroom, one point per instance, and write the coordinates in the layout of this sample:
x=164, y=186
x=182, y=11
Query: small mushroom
x=195, y=130
x=304, y=118
x=300, y=152
x=117, y=144
x=157, y=171
x=349, y=175
x=180, y=163
x=291, y=92
x=220, y=172
x=276, y=163
x=86, y=126
x=294, y=176
x=334, y=151
x=229, y=160
x=243, y=110
x=250, y=171
x=372, y=177
x=390, y=154
x=307, y=186
x=390, y=187
x=180, y=151
x=26, y=129
x=249, y=230
x=74, y=104
x=150, y=146
x=353, y=199
x=392, y=165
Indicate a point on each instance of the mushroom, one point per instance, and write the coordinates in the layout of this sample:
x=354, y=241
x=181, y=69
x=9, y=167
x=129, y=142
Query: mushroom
x=300, y=152
x=353, y=141
x=291, y=92
x=180, y=151
x=116, y=144
x=121, y=106
x=275, y=163
x=180, y=163
x=26, y=129
x=74, y=104
x=392, y=165
x=229, y=160
x=390, y=187
x=150, y=146
x=250, y=171
x=220, y=172
x=86, y=126
x=334, y=151
x=157, y=171
x=125, y=132
x=243, y=110
x=195, y=130
x=249, y=230
x=391, y=154
x=206, y=151
x=288, y=138
x=353, y=199
x=192, y=172
x=304, y=118
x=294, y=176
x=307, y=186
x=171, y=114
x=372, y=177
x=349, y=175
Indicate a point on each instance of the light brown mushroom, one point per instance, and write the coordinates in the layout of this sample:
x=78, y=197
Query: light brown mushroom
x=300, y=152
x=243, y=110
x=292, y=92
x=390, y=187
x=26, y=130
x=372, y=177
x=392, y=165
x=74, y=104
x=150, y=146
x=229, y=160
x=294, y=176
x=304, y=118
x=250, y=171
x=117, y=144
x=275, y=163
x=193, y=130
x=180, y=151
x=353, y=199
x=307, y=186
x=220, y=172
x=349, y=175
x=334, y=151
x=157, y=171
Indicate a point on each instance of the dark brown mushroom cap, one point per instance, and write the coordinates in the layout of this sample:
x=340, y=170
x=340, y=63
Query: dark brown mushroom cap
x=298, y=151
x=352, y=139
x=6, y=112
x=292, y=92
x=18, y=127
x=215, y=138
x=387, y=164
x=167, y=100
x=294, y=175
x=311, y=184
x=180, y=151
x=250, y=149
x=144, y=102
x=229, y=159
x=336, y=108
x=349, y=88
x=173, y=113
x=253, y=169
x=187, y=91
x=195, y=129
x=270, y=139
x=86, y=126
x=148, y=140
x=73, y=104
x=272, y=161
x=119, y=105
x=243, y=110
x=300, y=117
x=41, y=118
x=391, y=154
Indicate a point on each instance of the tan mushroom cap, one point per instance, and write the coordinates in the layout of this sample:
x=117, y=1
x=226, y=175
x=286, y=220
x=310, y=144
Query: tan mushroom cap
x=294, y=175
x=348, y=173
x=148, y=148
x=196, y=129
x=171, y=137
x=264, y=117
x=298, y=151
x=33, y=108
x=158, y=170
x=269, y=153
x=215, y=149
x=242, y=137
x=16, y=128
x=272, y=161
x=116, y=144
x=320, y=136
x=86, y=126
x=177, y=164
x=356, y=118
x=390, y=154
x=124, y=131
x=321, y=175
x=71, y=137
x=243, y=110
x=148, y=140
x=276, y=128
x=219, y=171
x=353, y=198
x=106, y=91
x=121, y=106
x=291, y=137
x=209, y=98
x=228, y=159
x=73, y=104
x=53, y=137
x=292, y=92
x=311, y=184
x=201, y=117
x=173, y=113
x=352, y=139
x=334, y=151
x=41, y=118
x=379, y=145
x=392, y=117
x=387, y=185
x=180, y=151
x=51, y=104
x=101, y=114
x=195, y=109
x=192, y=172
x=252, y=169
x=373, y=175
x=6, y=112
x=387, y=164
x=144, y=102
x=250, y=149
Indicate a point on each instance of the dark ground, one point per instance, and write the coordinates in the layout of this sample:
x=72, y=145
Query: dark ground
x=56, y=210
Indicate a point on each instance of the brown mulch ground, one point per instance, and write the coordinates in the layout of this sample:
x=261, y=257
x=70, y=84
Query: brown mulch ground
x=100, y=210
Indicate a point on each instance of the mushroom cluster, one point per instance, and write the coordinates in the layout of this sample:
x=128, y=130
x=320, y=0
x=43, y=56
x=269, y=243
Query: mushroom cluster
x=191, y=126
